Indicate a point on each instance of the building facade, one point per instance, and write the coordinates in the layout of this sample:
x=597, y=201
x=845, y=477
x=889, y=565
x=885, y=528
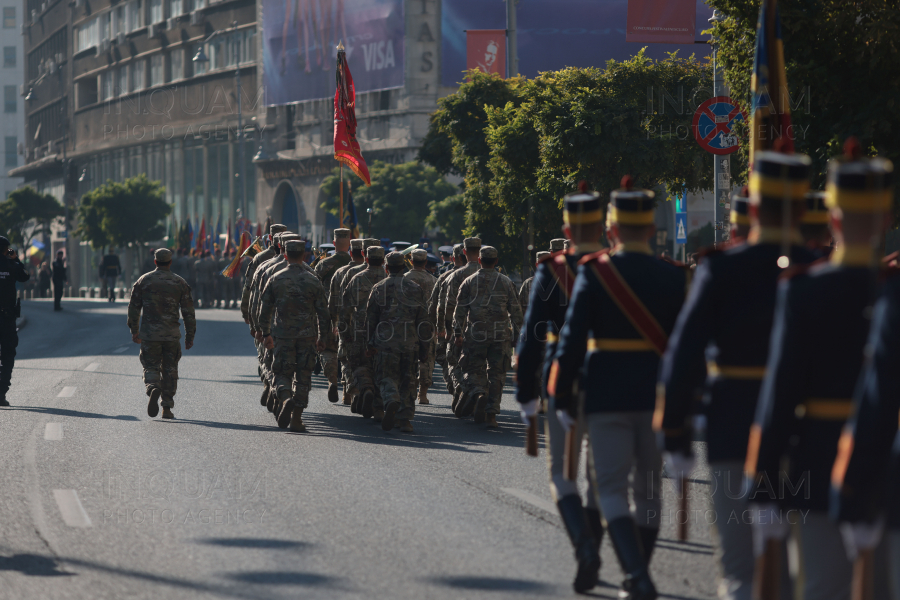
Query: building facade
x=12, y=122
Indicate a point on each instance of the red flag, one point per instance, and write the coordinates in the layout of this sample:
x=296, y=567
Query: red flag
x=235, y=267
x=201, y=235
x=486, y=50
x=346, y=147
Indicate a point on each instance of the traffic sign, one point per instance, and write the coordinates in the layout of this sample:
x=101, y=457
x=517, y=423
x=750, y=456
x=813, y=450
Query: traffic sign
x=714, y=123
x=680, y=228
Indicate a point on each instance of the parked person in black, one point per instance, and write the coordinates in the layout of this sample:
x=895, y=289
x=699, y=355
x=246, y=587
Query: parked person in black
x=59, y=279
x=11, y=271
x=110, y=269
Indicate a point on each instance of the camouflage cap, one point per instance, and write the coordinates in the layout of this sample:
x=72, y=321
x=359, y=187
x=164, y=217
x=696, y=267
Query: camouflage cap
x=341, y=234
x=162, y=255
x=376, y=251
x=540, y=256
x=472, y=243
x=356, y=244
x=294, y=246
x=277, y=228
x=419, y=255
x=458, y=250
x=567, y=245
x=394, y=259
x=369, y=242
x=557, y=244
x=488, y=252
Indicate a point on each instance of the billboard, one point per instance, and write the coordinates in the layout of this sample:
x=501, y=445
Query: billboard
x=486, y=50
x=661, y=21
x=300, y=37
x=553, y=34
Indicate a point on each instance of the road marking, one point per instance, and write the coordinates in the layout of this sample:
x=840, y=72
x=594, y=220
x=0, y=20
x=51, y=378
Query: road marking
x=92, y=367
x=531, y=499
x=67, y=392
x=70, y=507
x=120, y=350
x=53, y=432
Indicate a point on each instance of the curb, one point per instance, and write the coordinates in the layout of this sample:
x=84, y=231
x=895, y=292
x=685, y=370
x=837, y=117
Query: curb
x=20, y=323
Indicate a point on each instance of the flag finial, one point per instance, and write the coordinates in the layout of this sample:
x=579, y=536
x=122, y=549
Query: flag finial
x=340, y=46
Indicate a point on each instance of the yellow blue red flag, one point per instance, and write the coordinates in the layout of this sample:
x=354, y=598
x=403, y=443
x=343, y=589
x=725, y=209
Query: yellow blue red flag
x=771, y=111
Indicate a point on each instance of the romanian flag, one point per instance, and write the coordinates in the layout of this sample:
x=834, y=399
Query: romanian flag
x=346, y=146
x=201, y=235
x=235, y=267
x=35, y=252
x=771, y=108
x=350, y=221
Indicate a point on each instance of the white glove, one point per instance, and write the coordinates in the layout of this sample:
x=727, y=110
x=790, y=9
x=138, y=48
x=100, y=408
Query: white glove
x=529, y=409
x=769, y=523
x=678, y=465
x=565, y=419
x=861, y=536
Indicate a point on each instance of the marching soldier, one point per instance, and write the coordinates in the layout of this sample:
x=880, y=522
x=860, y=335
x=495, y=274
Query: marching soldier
x=426, y=281
x=728, y=317
x=551, y=290
x=294, y=320
x=525, y=289
x=357, y=257
x=624, y=304
x=485, y=304
x=740, y=216
x=325, y=270
x=446, y=307
x=459, y=260
x=353, y=331
x=814, y=226
x=156, y=298
x=812, y=371
x=397, y=322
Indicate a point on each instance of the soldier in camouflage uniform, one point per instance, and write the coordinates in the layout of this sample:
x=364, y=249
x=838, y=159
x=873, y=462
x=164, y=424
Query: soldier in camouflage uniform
x=160, y=294
x=294, y=321
x=481, y=322
x=325, y=271
x=397, y=323
x=257, y=260
x=352, y=328
x=357, y=257
x=525, y=290
x=459, y=260
x=426, y=281
x=446, y=307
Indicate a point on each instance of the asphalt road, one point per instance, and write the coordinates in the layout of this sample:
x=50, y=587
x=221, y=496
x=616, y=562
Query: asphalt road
x=100, y=501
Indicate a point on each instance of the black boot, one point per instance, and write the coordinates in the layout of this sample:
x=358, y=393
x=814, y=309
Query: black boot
x=627, y=543
x=595, y=524
x=648, y=541
x=573, y=518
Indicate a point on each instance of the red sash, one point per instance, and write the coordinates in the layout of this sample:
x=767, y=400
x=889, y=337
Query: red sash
x=563, y=273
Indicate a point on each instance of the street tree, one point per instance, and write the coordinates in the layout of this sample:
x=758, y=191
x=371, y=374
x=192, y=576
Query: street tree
x=448, y=217
x=122, y=213
x=27, y=212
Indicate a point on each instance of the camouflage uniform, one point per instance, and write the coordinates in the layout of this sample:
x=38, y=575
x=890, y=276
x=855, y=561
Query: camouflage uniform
x=396, y=320
x=325, y=271
x=257, y=260
x=433, y=302
x=446, y=308
x=160, y=294
x=427, y=282
x=486, y=303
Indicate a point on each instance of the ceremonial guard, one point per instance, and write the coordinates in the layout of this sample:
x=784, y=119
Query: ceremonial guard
x=525, y=289
x=426, y=281
x=550, y=294
x=325, y=270
x=740, y=216
x=459, y=260
x=727, y=319
x=814, y=226
x=624, y=304
x=156, y=299
x=397, y=321
x=812, y=370
x=294, y=321
x=357, y=257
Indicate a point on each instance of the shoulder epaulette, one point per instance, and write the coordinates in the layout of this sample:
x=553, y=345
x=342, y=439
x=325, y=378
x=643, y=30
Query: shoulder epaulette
x=593, y=256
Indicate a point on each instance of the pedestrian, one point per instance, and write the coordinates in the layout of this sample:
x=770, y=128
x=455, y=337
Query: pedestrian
x=728, y=317
x=294, y=321
x=12, y=271
x=325, y=270
x=426, y=281
x=485, y=307
x=551, y=291
x=60, y=278
x=44, y=277
x=396, y=325
x=153, y=311
x=624, y=305
x=445, y=310
x=110, y=269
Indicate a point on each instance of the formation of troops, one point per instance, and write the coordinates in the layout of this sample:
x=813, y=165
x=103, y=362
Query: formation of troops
x=780, y=350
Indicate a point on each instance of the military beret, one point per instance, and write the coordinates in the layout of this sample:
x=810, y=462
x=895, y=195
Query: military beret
x=457, y=250
x=294, y=246
x=557, y=244
x=394, y=259
x=488, y=252
x=369, y=242
x=376, y=251
x=340, y=234
x=472, y=243
x=419, y=255
x=162, y=255
x=277, y=228
x=356, y=244
x=540, y=255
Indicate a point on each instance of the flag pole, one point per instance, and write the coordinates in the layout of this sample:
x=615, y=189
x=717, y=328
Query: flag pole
x=341, y=221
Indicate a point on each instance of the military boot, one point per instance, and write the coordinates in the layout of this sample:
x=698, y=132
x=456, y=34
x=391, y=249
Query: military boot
x=491, y=421
x=153, y=405
x=297, y=421
x=454, y=406
x=648, y=537
x=348, y=400
x=332, y=393
x=387, y=423
x=466, y=406
x=263, y=400
x=579, y=531
x=3, y=400
x=368, y=401
x=270, y=402
x=284, y=417
x=354, y=403
x=481, y=401
x=423, y=398
x=167, y=413
x=627, y=544
x=378, y=415
x=406, y=426
x=595, y=523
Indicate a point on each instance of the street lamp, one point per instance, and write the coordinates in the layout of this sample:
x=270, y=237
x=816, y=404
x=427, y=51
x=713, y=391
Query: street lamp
x=370, y=211
x=201, y=57
x=718, y=215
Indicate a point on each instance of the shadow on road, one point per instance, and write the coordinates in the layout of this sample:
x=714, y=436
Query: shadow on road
x=280, y=578
x=64, y=412
x=32, y=564
x=505, y=584
x=255, y=543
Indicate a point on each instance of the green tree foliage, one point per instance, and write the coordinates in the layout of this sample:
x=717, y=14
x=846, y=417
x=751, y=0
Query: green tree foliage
x=400, y=196
x=118, y=214
x=448, y=216
x=27, y=212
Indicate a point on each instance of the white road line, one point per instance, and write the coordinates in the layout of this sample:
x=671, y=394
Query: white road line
x=67, y=392
x=53, y=432
x=92, y=367
x=70, y=507
x=531, y=499
x=120, y=350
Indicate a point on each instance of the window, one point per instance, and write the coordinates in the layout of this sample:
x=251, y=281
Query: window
x=135, y=15
x=9, y=17
x=137, y=75
x=10, y=103
x=118, y=21
x=107, y=91
x=201, y=67
x=9, y=56
x=122, y=81
x=12, y=152
x=156, y=11
x=176, y=65
x=156, y=69
x=175, y=8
